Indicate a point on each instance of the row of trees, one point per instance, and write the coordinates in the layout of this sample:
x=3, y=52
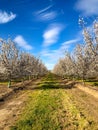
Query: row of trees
x=15, y=64
x=83, y=61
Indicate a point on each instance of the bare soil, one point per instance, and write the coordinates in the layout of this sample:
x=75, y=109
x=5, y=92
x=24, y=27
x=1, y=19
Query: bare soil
x=86, y=100
x=12, y=102
x=11, y=109
x=89, y=90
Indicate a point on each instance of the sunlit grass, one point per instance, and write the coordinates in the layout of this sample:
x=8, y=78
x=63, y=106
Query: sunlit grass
x=93, y=83
x=3, y=83
x=42, y=111
x=90, y=82
x=50, y=108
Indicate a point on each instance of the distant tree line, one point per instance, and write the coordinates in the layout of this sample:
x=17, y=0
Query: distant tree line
x=83, y=61
x=16, y=64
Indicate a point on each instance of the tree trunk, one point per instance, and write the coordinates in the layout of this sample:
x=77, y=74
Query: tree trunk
x=83, y=78
x=29, y=77
x=9, y=83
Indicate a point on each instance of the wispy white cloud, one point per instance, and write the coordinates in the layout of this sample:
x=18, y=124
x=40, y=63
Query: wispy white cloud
x=88, y=7
x=51, y=35
x=6, y=17
x=73, y=41
x=61, y=50
x=22, y=43
x=43, y=10
x=45, y=14
x=52, y=56
x=68, y=44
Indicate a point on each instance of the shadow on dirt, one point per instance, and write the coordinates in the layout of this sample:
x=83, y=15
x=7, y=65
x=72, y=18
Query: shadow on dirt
x=54, y=85
x=15, y=89
x=38, y=86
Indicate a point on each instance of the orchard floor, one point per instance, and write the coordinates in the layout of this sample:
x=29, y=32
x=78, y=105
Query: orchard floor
x=51, y=104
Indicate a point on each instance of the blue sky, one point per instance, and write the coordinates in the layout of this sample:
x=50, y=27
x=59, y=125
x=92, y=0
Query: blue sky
x=45, y=28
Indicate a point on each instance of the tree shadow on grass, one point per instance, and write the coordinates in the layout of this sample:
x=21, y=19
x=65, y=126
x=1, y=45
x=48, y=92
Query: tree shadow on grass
x=53, y=85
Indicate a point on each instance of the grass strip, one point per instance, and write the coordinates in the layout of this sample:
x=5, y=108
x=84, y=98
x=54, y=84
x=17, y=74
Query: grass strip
x=51, y=108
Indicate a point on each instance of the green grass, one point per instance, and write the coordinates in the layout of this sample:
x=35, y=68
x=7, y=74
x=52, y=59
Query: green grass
x=6, y=82
x=90, y=82
x=3, y=83
x=42, y=111
x=51, y=108
x=93, y=83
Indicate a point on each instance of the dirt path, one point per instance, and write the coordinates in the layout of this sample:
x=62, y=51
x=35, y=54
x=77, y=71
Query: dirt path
x=88, y=90
x=12, y=107
x=85, y=102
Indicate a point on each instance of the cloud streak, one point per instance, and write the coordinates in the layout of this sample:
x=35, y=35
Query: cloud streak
x=51, y=35
x=6, y=17
x=73, y=41
x=22, y=43
x=88, y=8
x=50, y=57
x=45, y=14
x=43, y=10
